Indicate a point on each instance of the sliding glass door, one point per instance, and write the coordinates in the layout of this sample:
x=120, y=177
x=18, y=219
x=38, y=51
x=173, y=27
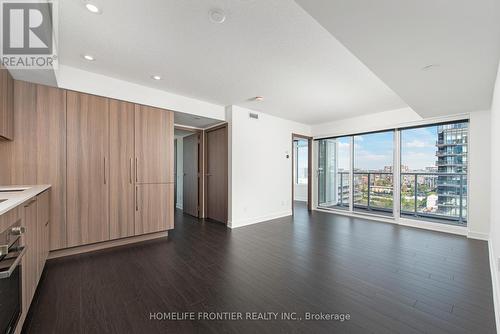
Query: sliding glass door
x=373, y=182
x=334, y=172
x=356, y=173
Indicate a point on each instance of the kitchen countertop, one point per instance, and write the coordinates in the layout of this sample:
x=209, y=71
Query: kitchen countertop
x=16, y=198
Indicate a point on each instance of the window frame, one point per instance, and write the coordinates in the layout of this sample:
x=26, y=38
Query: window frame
x=396, y=172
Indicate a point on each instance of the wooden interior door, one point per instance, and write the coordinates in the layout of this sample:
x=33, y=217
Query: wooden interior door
x=154, y=210
x=121, y=164
x=216, y=174
x=190, y=166
x=88, y=169
x=154, y=145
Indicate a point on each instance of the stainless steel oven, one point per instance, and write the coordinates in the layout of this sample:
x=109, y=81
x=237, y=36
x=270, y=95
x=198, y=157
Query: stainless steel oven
x=11, y=254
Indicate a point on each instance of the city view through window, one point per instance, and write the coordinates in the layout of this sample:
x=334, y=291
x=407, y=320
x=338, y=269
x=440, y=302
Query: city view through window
x=433, y=172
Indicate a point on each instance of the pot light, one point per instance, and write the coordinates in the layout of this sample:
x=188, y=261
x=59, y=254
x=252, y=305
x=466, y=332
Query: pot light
x=258, y=98
x=217, y=15
x=92, y=8
x=156, y=77
x=88, y=57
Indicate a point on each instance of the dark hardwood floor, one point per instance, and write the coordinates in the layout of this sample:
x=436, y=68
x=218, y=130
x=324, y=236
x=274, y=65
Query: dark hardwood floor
x=388, y=278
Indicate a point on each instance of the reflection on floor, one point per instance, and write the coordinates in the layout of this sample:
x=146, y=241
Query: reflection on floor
x=388, y=278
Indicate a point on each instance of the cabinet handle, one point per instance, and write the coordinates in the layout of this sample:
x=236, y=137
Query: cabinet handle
x=136, y=180
x=104, y=170
x=130, y=174
x=136, y=198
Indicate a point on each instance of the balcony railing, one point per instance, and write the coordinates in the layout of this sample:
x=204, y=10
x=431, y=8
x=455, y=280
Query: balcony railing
x=440, y=143
x=373, y=191
x=420, y=195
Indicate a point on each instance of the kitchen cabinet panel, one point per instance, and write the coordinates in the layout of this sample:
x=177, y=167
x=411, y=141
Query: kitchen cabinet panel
x=121, y=160
x=87, y=169
x=51, y=156
x=154, y=145
x=154, y=208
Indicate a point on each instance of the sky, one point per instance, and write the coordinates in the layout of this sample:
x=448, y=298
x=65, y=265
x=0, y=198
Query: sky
x=375, y=151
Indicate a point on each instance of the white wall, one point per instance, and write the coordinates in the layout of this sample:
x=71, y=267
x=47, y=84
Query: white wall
x=479, y=174
x=260, y=186
x=92, y=83
x=180, y=171
x=479, y=158
x=494, y=242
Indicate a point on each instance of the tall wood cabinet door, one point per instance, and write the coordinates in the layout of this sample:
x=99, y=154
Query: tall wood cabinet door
x=51, y=125
x=154, y=145
x=154, y=208
x=121, y=162
x=88, y=169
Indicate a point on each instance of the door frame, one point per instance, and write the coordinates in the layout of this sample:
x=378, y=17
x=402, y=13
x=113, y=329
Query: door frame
x=205, y=166
x=201, y=165
x=309, y=169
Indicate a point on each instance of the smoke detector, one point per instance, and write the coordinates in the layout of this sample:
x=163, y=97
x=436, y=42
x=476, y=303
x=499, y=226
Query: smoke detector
x=217, y=15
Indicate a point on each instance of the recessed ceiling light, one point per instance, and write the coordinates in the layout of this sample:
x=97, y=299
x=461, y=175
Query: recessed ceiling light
x=217, y=15
x=88, y=57
x=156, y=77
x=92, y=8
x=430, y=67
x=258, y=98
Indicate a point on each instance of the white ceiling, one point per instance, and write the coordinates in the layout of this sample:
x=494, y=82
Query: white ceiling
x=271, y=48
x=182, y=133
x=194, y=121
x=397, y=38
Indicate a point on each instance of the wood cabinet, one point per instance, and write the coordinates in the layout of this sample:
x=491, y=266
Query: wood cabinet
x=87, y=147
x=154, y=208
x=154, y=145
x=35, y=215
x=121, y=161
x=87, y=169
x=6, y=105
x=51, y=156
x=30, y=260
x=42, y=223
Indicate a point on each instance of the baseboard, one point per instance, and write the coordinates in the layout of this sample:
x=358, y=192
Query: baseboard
x=494, y=281
x=179, y=206
x=256, y=220
x=106, y=244
x=478, y=235
x=422, y=224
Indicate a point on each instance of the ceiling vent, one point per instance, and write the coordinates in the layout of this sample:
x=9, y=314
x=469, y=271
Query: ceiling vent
x=253, y=115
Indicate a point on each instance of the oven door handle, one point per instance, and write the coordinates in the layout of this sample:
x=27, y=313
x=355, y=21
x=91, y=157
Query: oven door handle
x=8, y=272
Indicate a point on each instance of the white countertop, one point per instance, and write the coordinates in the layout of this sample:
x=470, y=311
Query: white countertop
x=16, y=198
